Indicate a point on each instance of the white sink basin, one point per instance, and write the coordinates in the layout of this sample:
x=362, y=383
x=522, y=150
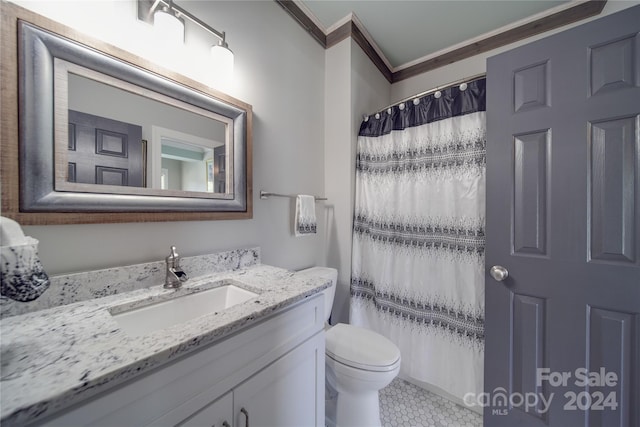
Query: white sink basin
x=181, y=308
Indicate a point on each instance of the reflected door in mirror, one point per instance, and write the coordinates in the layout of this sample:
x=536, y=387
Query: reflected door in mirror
x=105, y=151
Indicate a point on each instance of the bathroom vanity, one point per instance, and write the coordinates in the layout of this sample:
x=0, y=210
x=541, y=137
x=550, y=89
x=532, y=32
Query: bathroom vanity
x=259, y=361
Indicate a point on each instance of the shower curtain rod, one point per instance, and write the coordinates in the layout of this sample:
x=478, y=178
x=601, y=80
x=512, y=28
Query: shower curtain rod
x=435, y=89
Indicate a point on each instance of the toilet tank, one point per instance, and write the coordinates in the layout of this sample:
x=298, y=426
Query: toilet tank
x=329, y=293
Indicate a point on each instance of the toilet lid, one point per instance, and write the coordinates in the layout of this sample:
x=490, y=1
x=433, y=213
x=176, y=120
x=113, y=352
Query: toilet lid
x=361, y=348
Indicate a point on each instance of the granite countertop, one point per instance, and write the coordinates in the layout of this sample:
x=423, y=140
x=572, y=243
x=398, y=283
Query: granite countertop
x=54, y=358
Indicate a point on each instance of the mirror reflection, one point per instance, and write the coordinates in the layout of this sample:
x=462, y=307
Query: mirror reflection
x=118, y=137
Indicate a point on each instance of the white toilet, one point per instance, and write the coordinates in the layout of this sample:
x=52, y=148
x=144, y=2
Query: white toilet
x=359, y=362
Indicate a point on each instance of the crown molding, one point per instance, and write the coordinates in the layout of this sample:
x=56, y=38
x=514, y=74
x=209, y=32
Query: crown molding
x=352, y=27
x=498, y=39
x=302, y=17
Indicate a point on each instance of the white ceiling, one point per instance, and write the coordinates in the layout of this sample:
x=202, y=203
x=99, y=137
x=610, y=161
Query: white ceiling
x=408, y=31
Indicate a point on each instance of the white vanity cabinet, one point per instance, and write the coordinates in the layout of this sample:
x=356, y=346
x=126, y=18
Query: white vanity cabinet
x=271, y=372
x=284, y=394
x=281, y=395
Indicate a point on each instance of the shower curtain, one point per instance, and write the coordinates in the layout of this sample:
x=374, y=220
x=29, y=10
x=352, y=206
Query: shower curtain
x=418, y=236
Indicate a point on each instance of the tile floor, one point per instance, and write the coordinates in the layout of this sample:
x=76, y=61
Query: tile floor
x=403, y=404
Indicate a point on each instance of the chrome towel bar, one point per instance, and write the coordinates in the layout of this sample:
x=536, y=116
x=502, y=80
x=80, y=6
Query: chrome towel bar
x=266, y=194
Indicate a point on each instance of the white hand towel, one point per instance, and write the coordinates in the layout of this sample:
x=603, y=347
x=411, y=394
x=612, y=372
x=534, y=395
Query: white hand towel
x=305, y=220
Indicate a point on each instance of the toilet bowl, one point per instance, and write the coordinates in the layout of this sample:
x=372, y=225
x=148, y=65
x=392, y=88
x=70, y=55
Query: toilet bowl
x=358, y=363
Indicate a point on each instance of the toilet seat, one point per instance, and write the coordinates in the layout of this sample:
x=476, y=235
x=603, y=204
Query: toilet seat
x=361, y=348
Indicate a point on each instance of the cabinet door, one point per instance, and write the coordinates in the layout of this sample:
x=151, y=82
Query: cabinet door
x=289, y=392
x=218, y=414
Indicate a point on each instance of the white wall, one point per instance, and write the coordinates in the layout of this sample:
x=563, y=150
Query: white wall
x=194, y=176
x=279, y=69
x=174, y=173
x=337, y=182
x=477, y=64
x=354, y=87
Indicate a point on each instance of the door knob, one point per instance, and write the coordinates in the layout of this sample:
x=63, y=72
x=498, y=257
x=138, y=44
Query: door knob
x=499, y=273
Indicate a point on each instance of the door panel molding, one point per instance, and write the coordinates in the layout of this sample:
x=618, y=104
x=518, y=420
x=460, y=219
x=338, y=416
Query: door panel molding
x=614, y=149
x=531, y=87
x=111, y=176
x=530, y=192
x=611, y=342
x=527, y=349
x=110, y=143
x=614, y=65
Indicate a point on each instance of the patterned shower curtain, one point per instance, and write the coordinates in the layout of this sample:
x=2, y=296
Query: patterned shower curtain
x=418, y=237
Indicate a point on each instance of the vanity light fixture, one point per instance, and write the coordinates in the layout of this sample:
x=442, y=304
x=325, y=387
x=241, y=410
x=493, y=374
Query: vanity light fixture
x=168, y=25
x=168, y=10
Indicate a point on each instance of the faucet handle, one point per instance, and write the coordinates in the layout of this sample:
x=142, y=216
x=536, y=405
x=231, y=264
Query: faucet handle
x=173, y=259
x=173, y=253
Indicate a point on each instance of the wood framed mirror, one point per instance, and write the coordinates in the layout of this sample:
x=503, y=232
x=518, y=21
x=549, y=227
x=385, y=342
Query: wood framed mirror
x=93, y=134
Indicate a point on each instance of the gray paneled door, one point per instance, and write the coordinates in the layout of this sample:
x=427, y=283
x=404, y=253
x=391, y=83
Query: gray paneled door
x=563, y=219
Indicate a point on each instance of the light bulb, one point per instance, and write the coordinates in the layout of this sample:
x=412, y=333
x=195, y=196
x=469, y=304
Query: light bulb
x=169, y=29
x=223, y=60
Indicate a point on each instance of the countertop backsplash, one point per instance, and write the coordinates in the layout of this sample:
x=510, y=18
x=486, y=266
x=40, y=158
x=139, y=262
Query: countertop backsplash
x=69, y=288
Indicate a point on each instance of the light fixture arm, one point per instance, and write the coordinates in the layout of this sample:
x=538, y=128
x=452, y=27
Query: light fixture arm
x=182, y=12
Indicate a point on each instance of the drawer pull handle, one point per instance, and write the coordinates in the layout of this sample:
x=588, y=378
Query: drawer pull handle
x=225, y=424
x=246, y=414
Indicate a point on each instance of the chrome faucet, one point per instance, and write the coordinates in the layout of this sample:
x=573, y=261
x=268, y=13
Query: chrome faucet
x=175, y=275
